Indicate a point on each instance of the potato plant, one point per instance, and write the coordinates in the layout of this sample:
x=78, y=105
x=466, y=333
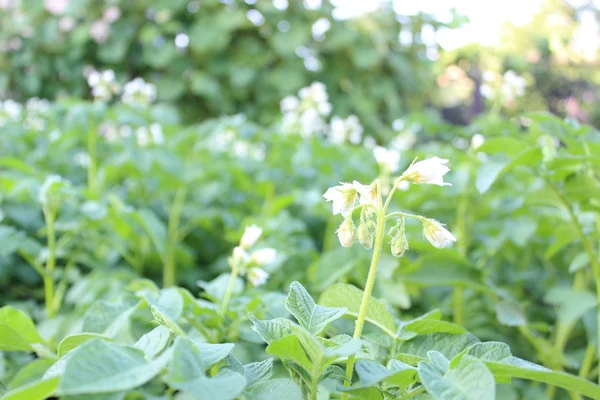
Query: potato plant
x=144, y=258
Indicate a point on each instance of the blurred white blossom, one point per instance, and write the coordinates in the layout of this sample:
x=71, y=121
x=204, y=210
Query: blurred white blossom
x=264, y=256
x=138, y=93
x=99, y=31
x=103, y=84
x=345, y=130
x=257, y=276
x=388, y=159
x=56, y=7
x=305, y=114
x=250, y=236
x=477, y=141
x=10, y=111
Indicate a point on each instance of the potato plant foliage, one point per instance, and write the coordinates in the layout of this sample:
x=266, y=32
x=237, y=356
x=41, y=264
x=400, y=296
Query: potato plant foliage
x=303, y=248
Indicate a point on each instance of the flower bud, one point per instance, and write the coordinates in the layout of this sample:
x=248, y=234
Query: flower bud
x=398, y=242
x=436, y=234
x=347, y=233
x=264, y=256
x=250, y=236
x=257, y=276
x=365, y=237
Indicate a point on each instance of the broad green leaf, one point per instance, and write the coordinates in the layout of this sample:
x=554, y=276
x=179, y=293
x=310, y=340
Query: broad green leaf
x=510, y=314
x=100, y=396
x=502, y=364
x=108, y=318
x=447, y=344
x=153, y=342
x=102, y=367
x=164, y=319
x=350, y=297
x=493, y=168
x=571, y=304
x=187, y=364
x=213, y=353
x=38, y=390
x=17, y=331
x=258, y=372
x=31, y=372
x=290, y=348
x=73, y=341
x=371, y=373
x=311, y=316
x=275, y=389
x=271, y=330
x=227, y=385
x=469, y=380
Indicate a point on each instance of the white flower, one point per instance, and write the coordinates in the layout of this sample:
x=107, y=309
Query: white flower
x=99, y=31
x=289, y=103
x=239, y=255
x=56, y=7
x=477, y=141
x=250, y=236
x=264, y=256
x=389, y=160
x=142, y=136
x=430, y=171
x=347, y=233
x=138, y=93
x=342, y=130
x=157, y=134
x=257, y=276
x=343, y=198
x=369, y=142
x=436, y=234
x=367, y=193
x=103, y=84
x=486, y=91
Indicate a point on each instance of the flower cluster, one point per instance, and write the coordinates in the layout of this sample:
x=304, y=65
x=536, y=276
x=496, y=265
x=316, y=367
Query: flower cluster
x=251, y=265
x=226, y=141
x=10, y=111
x=345, y=130
x=103, y=84
x=138, y=93
x=144, y=135
x=508, y=87
x=345, y=196
x=306, y=113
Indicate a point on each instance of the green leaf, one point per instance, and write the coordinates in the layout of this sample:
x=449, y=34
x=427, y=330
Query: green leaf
x=258, y=372
x=153, y=342
x=38, y=390
x=107, y=318
x=447, y=344
x=571, y=304
x=155, y=228
x=73, y=341
x=271, y=330
x=371, y=373
x=227, y=385
x=510, y=314
x=31, y=372
x=311, y=316
x=102, y=367
x=17, y=330
x=492, y=169
x=275, y=389
x=469, y=380
x=290, y=348
x=498, y=358
x=187, y=364
x=350, y=297
x=213, y=353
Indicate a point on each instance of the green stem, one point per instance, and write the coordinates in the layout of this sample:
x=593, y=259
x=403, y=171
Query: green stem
x=314, y=388
x=50, y=262
x=588, y=359
x=362, y=313
x=169, y=272
x=402, y=214
x=229, y=290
